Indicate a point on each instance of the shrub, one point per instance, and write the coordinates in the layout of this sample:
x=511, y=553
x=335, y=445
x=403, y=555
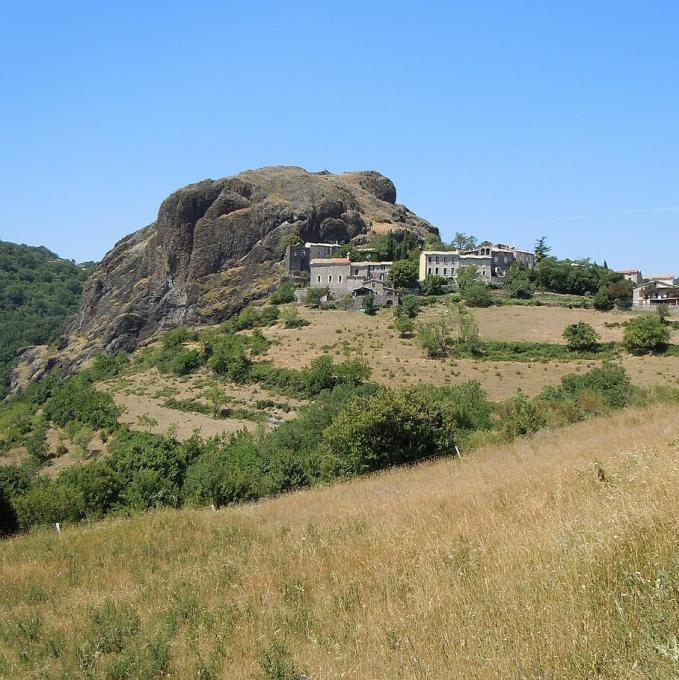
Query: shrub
x=185, y=361
x=292, y=319
x=477, y=294
x=48, y=502
x=645, y=334
x=581, y=337
x=77, y=400
x=520, y=416
x=97, y=484
x=393, y=427
x=284, y=294
x=409, y=306
x=229, y=359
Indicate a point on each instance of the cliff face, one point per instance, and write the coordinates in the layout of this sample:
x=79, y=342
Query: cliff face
x=216, y=245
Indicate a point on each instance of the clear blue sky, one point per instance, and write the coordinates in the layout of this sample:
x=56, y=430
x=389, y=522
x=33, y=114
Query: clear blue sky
x=508, y=120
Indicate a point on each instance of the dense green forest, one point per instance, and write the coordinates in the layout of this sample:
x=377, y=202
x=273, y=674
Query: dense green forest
x=38, y=293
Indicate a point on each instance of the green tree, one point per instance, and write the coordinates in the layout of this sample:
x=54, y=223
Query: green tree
x=404, y=274
x=369, y=306
x=436, y=336
x=581, y=337
x=466, y=276
x=433, y=285
x=9, y=523
x=541, y=249
x=284, y=294
x=645, y=334
x=517, y=282
x=462, y=241
x=477, y=294
x=292, y=240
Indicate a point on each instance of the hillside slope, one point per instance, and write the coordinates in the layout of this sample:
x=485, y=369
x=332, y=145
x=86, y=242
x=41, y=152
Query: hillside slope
x=554, y=557
x=39, y=292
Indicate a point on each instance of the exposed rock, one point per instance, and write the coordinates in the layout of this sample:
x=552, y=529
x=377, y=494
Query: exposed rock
x=216, y=245
x=34, y=363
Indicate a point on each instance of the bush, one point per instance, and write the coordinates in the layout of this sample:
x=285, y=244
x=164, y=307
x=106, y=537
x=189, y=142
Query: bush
x=436, y=337
x=477, y=294
x=229, y=358
x=314, y=295
x=77, y=400
x=581, y=337
x=284, y=294
x=409, y=306
x=97, y=484
x=404, y=325
x=393, y=427
x=519, y=417
x=645, y=334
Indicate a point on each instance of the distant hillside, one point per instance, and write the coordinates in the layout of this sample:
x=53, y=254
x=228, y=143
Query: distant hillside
x=39, y=292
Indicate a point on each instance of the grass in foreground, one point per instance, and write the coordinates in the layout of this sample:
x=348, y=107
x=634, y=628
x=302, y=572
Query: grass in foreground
x=554, y=557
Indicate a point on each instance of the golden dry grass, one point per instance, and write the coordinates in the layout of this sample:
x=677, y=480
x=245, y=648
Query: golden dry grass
x=555, y=557
x=402, y=361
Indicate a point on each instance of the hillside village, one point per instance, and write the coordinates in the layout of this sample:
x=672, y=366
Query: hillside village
x=323, y=266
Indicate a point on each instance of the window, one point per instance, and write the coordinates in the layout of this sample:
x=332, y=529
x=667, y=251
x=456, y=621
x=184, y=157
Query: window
x=318, y=278
x=445, y=271
x=431, y=259
x=429, y=270
x=339, y=278
x=437, y=271
x=381, y=277
x=437, y=259
x=329, y=278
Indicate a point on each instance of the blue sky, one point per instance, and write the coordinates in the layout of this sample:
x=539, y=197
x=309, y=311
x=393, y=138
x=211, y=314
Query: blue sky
x=508, y=120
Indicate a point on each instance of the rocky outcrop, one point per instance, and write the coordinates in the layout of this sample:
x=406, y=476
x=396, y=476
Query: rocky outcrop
x=217, y=245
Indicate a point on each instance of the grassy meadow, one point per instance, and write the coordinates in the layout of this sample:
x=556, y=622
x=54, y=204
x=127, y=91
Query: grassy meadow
x=550, y=557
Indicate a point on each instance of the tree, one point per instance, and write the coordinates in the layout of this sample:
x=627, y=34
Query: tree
x=646, y=334
x=403, y=274
x=466, y=276
x=581, y=337
x=468, y=331
x=462, y=241
x=8, y=517
x=541, y=249
x=395, y=427
x=477, y=294
x=433, y=285
x=409, y=306
x=369, y=306
x=517, y=282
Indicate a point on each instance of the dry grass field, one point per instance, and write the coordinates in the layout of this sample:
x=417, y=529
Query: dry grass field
x=397, y=361
x=549, y=558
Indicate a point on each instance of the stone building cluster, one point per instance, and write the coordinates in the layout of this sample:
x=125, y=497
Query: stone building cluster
x=491, y=261
x=325, y=268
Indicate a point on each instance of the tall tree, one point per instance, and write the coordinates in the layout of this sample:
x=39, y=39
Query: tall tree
x=541, y=249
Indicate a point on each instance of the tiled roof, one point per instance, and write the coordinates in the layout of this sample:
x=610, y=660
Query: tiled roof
x=331, y=260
